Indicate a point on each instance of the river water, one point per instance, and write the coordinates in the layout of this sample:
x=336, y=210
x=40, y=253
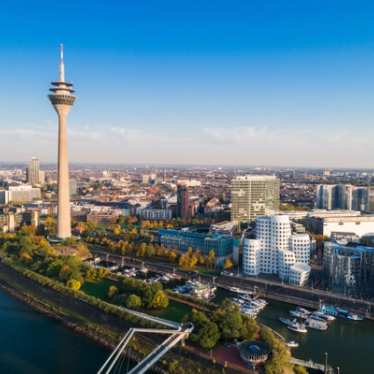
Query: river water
x=35, y=344
x=349, y=344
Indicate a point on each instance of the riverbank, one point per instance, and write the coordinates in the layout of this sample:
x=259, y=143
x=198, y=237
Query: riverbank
x=103, y=328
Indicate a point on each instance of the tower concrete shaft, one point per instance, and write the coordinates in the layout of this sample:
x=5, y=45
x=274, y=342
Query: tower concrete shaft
x=62, y=100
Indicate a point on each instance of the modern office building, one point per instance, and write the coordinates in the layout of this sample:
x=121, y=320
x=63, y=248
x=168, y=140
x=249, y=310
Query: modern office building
x=34, y=175
x=182, y=240
x=344, y=196
x=62, y=99
x=360, y=198
x=349, y=269
x=334, y=196
x=276, y=250
x=370, y=199
x=253, y=196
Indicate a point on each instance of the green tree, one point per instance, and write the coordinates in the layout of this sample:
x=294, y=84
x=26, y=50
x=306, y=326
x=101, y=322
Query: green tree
x=250, y=328
x=160, y=300
x=229, y=320
x=299, y=370
x=112, y=291
x=133, y=302
x=74, y=284
x=206, y=333
x=228, y=264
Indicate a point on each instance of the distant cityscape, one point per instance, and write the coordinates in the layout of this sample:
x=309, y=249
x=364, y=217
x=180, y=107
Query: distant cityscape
x=313, y=209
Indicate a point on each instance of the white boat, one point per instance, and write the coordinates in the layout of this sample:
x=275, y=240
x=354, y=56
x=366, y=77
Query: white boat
x=303, y=310
x=292, y=344
x=316, y=324
x=326, y=317
x=298, y=314
x=354, y=317
x=298, y=327
x=293, y=325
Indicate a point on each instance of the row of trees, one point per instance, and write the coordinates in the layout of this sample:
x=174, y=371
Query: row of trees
x=35, y=252
x=189, y=260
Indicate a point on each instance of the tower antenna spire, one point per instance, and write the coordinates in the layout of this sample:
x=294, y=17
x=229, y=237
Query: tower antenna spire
x=62, y=66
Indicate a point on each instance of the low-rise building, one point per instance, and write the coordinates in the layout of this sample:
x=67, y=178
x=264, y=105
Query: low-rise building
x=156, y=214
x=182, y=240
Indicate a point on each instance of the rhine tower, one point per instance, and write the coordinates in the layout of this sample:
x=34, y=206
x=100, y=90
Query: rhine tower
x=62, y=99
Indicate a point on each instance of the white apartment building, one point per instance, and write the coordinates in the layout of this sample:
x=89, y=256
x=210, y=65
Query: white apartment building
x=276, y=250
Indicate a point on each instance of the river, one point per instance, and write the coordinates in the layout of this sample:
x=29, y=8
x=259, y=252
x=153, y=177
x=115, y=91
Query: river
x=349, y=344
x=35, y=344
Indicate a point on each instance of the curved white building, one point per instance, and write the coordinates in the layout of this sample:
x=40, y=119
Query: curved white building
x=299, y=274
x=300, y=245
x=276, y=250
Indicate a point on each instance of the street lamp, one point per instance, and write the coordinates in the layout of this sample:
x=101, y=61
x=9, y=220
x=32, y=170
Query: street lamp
x=326, y=358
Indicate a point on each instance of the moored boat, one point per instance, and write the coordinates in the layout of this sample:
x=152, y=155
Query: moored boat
x=292, y=344
x=316, y=324
x=354, y=317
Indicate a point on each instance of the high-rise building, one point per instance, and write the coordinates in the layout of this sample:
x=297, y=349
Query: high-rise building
x=183, y=203
x=254, y=195
x=62, y=99
x=33, y=172
x=370, y=199
x=336, y=196
x=277, y=251
x=359, y=198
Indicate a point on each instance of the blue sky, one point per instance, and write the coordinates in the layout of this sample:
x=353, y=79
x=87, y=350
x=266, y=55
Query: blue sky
x=209, y=82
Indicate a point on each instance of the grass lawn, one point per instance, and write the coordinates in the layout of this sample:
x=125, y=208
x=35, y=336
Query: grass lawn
x=174, y=312
x=98, y=289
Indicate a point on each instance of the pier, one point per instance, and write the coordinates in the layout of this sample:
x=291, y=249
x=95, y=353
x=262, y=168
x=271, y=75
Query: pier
x=312, y=365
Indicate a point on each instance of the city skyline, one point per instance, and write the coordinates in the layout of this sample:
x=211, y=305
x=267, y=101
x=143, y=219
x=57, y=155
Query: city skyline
x=240, y=87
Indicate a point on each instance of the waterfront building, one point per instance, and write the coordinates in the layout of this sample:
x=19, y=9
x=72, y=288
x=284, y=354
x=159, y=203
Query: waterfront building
x=62, y=99
x=253, y=196
x=299, y=274
x=349, y=269
x=182, y=240
x=276, y=250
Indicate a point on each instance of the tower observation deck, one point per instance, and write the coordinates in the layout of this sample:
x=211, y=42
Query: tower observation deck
x=62, y=98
